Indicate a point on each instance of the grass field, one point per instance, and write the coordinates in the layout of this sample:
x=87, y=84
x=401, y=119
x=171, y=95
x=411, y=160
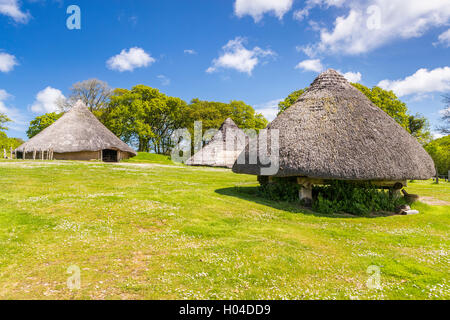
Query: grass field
x=155, y=231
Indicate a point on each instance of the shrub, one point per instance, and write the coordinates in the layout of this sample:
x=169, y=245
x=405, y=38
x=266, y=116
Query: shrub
x=283, y=189
x=341, y=196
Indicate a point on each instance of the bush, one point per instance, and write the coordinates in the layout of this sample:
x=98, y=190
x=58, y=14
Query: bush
x=341, y=196
x=283, y=189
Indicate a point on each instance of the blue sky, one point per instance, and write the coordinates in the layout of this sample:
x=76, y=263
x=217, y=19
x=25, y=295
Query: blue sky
x=257, y=51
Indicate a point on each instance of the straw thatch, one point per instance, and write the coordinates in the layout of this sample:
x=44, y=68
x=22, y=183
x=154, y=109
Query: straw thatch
x=223, y=149
x=76, y=135
x=334, y=131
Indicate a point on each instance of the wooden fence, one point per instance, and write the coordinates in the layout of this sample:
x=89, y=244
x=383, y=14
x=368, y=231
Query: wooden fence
x=28, y=154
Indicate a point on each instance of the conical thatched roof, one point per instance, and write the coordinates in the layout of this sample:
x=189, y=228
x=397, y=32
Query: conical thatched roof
x=334, y=132
x=223, y=149
x=77, y=130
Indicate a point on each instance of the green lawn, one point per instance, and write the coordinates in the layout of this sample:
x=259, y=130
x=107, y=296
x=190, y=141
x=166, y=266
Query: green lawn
x=145, y=157
x=175, y=232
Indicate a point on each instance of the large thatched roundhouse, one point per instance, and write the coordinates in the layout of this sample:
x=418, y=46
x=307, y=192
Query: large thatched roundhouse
x=335, y=132
x=223, y=149
x=77, y=135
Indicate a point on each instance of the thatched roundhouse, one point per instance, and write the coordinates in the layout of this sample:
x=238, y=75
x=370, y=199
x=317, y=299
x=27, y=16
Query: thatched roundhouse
x=223, y=149
x=334, y=131
x=77, y=135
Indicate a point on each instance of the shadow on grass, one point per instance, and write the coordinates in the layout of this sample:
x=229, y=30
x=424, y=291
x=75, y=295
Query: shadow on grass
x=251, y=194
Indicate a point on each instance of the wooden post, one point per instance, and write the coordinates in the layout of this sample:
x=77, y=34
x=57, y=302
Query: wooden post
x=305, y=192
x=11, y=153
x=34, y=154
x=101, y=155
x=42, y=154
x=4, y=153
x=395, y=191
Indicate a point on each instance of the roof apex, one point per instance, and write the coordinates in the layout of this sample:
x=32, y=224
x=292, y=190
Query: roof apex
x=329, y=79
x=79, y=105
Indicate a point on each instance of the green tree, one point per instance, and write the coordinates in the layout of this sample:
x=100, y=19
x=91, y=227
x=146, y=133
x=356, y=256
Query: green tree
x=213, y=114
x=42, y=122
x=7, y=143
x=143, y=116
x=419, y=127
x=387, y=101
x=439, y=150
x=3, y=121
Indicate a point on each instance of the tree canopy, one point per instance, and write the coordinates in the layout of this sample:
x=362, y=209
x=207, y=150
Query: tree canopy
x=5, y=141
x=146, y=118
x=387, y=101
x=93, y=92
x=3, y=121
x=42, y=122
x=213, y=114
x=439, y=150
x=143, y=116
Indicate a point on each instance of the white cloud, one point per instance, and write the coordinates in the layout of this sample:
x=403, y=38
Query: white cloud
x=437, y=135
x=46, y=100
x=165, y=81
x=300, y=15
x=190, y=51
x=130, y=60
x=310, y=65
x=370, y=24
x=423, y=81
x=353, y=76
x=444, y=38
x=18, y=123
x=11, y=9
x=444, y=112
x=7, y=62
x=257, y=8
x=3, y=96
x=236, y=56
x=309, y=50
x=268, y=109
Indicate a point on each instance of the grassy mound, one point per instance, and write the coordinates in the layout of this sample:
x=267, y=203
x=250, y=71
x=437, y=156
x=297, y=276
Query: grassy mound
x=145, y=157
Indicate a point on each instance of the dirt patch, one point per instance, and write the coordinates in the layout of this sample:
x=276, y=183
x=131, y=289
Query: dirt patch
x=433, y=201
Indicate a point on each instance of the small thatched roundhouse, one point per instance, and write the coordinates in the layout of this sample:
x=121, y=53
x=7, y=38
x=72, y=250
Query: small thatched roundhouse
x=223, y=149
x=334, y=131
x=77, y=135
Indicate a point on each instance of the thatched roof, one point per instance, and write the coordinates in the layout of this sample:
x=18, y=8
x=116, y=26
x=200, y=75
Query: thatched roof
x=77, y=130
x=334, y=131
x=223, y=149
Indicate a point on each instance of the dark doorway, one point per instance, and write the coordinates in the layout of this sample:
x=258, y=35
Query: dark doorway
x=109, y=155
